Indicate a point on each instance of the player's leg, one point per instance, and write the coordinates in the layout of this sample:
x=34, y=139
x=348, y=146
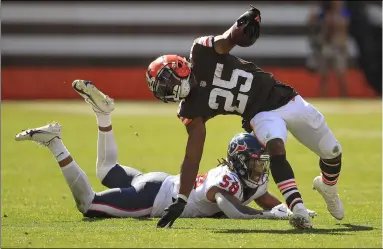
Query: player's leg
x=135, y=201
x=309, y=127
x=110, y=173
x=50, y=136
x=271, y=131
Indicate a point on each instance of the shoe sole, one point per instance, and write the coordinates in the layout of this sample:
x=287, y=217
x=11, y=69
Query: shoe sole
x=55, y=131
x=299, y=222
x=92, y=95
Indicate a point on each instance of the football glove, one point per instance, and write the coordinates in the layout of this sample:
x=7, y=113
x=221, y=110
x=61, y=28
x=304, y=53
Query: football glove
x=172, y=213
x=281, y=211
x=252, y=21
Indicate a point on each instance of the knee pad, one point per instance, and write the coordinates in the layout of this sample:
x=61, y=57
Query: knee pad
x=329, y=147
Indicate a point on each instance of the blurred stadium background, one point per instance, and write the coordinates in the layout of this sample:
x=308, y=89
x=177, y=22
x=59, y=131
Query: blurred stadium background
x=46, y=45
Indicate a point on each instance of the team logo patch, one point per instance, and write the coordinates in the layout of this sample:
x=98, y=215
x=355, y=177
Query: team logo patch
x=235, y=147
x=202, y=83
x=335, y=149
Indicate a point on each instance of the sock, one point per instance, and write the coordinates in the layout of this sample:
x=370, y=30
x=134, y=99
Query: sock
x=58, y=149
x=79, y=185
x=106, y=153
x=283, y=176
x=330, y=171
x=103, y=120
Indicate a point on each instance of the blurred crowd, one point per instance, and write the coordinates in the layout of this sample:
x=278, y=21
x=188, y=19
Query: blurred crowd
x=331, y=23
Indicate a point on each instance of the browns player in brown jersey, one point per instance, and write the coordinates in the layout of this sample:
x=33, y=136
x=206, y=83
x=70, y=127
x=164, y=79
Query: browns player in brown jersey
x=214, y=82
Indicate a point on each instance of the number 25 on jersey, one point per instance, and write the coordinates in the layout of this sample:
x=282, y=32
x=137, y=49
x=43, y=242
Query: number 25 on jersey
x=223, y=89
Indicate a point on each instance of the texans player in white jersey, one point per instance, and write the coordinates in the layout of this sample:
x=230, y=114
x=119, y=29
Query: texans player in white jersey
x=241, y=178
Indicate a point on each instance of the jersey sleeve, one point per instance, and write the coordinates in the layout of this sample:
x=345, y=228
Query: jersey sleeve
x=228, y=181
x=200, y=44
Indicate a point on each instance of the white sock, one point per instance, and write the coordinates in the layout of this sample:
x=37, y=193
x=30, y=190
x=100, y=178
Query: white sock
x=79, y=185
x=103, y=120
x=106, y=153
x=58, y=149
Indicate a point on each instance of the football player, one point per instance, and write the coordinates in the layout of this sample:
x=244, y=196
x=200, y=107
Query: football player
x=241, y=178
x=214, y=82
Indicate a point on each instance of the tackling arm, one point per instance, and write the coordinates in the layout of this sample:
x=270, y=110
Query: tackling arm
x=233, y=208
x=267, y=201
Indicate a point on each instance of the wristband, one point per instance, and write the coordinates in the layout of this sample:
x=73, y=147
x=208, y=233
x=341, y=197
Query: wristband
x=183, y=197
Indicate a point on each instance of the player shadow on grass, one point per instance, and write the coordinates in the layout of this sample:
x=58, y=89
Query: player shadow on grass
x=332, y=231
x=87, y=219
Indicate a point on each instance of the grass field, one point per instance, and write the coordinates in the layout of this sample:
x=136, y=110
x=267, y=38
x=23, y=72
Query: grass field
x=38, y=210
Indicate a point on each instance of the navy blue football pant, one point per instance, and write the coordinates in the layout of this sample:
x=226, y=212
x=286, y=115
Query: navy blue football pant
x=131, y=193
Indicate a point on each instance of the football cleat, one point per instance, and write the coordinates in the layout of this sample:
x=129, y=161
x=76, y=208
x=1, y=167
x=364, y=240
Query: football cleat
x=41, y=135
x=331, y=197
x=300, y=218
x=100, y=102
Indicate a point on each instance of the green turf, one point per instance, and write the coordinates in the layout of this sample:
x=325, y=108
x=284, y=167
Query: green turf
x=38, y=210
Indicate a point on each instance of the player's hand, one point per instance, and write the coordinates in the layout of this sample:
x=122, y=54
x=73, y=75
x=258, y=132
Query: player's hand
x=172, y=213
x=252, y=21
x=281, y=211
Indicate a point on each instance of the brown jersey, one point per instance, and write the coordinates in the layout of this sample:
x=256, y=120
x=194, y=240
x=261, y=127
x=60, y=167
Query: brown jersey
x=229, y=85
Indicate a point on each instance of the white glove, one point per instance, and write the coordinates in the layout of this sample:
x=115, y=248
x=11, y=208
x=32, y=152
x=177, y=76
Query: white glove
x=281, y=211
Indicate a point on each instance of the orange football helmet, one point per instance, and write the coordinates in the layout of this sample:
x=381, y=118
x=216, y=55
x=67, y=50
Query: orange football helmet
x=168, y=77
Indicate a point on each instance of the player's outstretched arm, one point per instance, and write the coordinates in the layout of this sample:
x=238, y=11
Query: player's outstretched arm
x=189, y=169
x=194, y=148
x=233, y=208
x=267, y=201
x=244, y=32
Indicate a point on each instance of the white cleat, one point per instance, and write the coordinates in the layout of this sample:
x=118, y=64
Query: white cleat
x=100, y=102
x=300, y=218
x=41, y=135
x=331, y=197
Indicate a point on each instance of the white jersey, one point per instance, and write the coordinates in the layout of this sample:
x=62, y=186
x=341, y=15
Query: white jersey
x=198, y=205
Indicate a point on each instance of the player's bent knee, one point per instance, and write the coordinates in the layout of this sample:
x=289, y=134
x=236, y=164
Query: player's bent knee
x=276, y=147
x=101, y=172
x=329, y=147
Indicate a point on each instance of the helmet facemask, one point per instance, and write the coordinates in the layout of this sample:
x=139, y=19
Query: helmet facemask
x=253, y=169
x=168, y=87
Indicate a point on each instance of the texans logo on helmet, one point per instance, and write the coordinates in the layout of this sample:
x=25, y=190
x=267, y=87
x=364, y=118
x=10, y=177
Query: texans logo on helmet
x=237, y=147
